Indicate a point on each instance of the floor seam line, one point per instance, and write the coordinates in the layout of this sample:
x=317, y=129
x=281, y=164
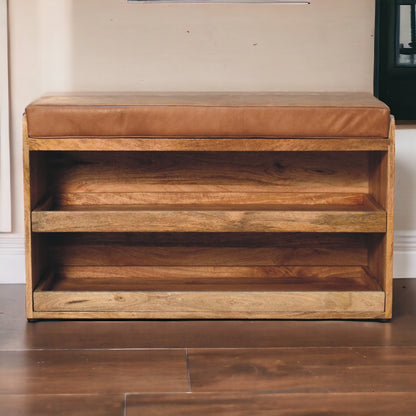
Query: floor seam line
x=188, y=370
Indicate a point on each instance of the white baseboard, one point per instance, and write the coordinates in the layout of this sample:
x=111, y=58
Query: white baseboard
x=404, y=261
x=12, y=256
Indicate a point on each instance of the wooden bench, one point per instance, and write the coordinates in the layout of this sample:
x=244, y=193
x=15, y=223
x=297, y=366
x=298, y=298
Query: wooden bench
x=231, y=205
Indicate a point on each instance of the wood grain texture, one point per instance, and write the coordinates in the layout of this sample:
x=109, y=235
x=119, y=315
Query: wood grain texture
x=63, y=405
x=248, y=404
x=208, y=221
x=213, y=250
x=92, y=372
x=382, y=169
x=215, y=304
x=304, y=370
x=199, y=278
x=70, y=277
x=30, y=281
x=217, y=291
x=344, y=172
x=208, y=249
x=207, y=199
x=224, y=292
x=35, y=188
x=389, y=207
x=109, y=315
x=212, y=144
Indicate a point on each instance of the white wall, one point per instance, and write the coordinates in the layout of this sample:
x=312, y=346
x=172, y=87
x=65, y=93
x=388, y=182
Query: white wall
x=88, y=45
x=405, y=202
x=5, y=191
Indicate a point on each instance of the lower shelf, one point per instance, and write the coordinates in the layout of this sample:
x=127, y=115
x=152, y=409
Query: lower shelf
x=209, y=292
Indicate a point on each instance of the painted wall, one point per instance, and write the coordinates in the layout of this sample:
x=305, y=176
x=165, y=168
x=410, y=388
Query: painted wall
x=91, y=45
x=405, y=202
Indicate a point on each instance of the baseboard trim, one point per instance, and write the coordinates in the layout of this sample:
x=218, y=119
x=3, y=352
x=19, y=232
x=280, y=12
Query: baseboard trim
x=404, y=260
x=405, y=240
x=12, y=256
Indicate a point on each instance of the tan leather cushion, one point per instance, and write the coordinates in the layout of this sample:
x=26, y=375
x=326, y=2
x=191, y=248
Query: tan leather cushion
x=307, y=115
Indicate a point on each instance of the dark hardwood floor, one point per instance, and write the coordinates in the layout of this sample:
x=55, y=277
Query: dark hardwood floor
x=208, y=367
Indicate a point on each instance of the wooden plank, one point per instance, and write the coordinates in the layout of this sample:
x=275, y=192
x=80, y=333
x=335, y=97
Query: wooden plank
x=235, y=144
x=304, y=370
x=46, y=282
x=62, y=404
x=92, y=372
x=168, y=279
x=281, y=404
x=208, y=315
x=28, y=225
x=35, y=190
x=135, y=172
x=160, y=207
x=12, y=302
x=130, y=255
x=215, y=273
x=214, y=303
x=388, y=277
x=207, y=284
x=209, y=221
x=208, y=198
x=382, y=166
x=208, y=249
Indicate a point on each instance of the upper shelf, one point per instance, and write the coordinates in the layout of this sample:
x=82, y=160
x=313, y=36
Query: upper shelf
x=298, y=215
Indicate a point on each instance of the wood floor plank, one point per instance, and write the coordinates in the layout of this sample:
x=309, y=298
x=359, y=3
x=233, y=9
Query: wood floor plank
x=92, y=372
x=12, y=301
x=19, y=335
x=304, y=370
x=62, y=405
x=16, y=334
x=362, y=404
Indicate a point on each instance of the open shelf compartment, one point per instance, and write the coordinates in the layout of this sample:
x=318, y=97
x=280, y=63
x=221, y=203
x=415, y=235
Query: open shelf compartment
x=208, y=192
x=194, y=275
x=210, y=290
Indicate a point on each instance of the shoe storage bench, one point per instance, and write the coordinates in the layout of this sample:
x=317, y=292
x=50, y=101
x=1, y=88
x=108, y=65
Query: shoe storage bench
x=200, y=206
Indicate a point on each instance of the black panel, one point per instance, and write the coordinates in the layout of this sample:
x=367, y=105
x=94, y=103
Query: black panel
x=394, y=83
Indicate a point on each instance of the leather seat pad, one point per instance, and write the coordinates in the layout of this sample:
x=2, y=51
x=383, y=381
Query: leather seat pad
x=274, y=115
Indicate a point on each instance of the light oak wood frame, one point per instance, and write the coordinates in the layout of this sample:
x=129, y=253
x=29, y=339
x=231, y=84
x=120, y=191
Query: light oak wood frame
x=374, y=222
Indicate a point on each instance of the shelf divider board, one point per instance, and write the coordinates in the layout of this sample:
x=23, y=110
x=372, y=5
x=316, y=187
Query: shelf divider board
x=117, y=219
x=231, y=304
x=361, y=294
